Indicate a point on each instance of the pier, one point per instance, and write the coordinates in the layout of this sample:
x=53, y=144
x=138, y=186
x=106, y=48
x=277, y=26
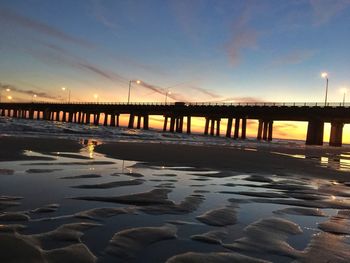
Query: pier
x=236, y=114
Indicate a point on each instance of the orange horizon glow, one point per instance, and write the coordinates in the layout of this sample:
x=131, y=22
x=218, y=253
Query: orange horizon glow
x=288, y=130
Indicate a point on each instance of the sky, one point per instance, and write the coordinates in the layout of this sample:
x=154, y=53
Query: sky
x=198, y=50
x=201, y=50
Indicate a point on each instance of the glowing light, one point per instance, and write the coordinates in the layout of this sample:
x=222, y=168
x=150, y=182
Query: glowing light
x=138, y=81
x=95, y=96
x=9, y=97
x=8, y=90
x=34, y=95
x=324, y=74
x=91, y=148
x=63, y=88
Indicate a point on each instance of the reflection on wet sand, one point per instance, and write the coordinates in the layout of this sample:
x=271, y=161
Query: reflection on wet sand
x=338, y=162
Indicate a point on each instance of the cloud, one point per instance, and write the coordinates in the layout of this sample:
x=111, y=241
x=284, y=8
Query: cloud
x=325, y=10
x=186, y=14
x=294, y=57
x=242, y=37
x=206, y=92
x=99, y=13
x=63, y=56
x=241, y=100
x=13, y=19
x=175, y=96
x=30, y=93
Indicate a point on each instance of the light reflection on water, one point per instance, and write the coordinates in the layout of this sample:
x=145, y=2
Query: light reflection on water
x=338, y=162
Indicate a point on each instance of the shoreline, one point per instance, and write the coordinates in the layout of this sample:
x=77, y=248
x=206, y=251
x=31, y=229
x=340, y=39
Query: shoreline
x=264, y=160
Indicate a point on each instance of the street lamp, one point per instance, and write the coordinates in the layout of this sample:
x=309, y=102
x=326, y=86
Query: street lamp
x=137, y=82
x=96, y=97
x=7, y=90
x=325, y=76
x=344, y=90
x=166, y=95
x=64, y=89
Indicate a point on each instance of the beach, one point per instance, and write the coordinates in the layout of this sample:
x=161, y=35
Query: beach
x=89, y=200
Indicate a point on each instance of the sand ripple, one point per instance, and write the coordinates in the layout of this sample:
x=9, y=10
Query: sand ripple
x=267, y=236
x=220, y=257
x=153, y=197
x=110, y=184
x=219, y=217
x=127, y=243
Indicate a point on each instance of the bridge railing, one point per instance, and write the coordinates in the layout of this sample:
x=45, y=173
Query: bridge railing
x=250, y=104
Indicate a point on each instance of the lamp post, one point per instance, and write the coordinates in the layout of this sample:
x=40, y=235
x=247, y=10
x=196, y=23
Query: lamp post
x=137, y=82
x=34, y=96
x=325, y=76
x=166, y=95
x=344, y=90
x=64, y=89
x=7, y=90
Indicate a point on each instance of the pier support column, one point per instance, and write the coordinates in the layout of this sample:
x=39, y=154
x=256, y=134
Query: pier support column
x=105, y=121
x=112, y=121
x=31, y=114
x=188, y=130
x=229, y=128
x=70, y=116
x=139, y=122
x=58, y=115
x=315, y=130
x=177, y=124
x=206, y=128
x=218, y=127
x=165, y=123
x=97, y=122
x=172, y=124
x=88, y=116
x=269, y=135
x=236, y=133
x=265, y=129
x=131, y=121
x=117, y=120
x=244, y=128
x=212, y=128
x=336, y=137
x=145, y=122
x=181, y=124
x=14, y=113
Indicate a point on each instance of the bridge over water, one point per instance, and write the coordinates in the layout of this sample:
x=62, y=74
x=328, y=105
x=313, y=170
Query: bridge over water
x=237, y=114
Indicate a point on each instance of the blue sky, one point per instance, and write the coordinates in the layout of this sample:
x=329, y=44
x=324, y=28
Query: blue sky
x=201, y=50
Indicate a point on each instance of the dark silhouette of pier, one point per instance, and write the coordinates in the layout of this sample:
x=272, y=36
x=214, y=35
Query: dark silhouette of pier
x=237, y=114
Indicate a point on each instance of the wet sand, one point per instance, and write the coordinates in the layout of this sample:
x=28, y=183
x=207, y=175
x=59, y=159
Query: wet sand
x=264, y=160
x=61, y=201
x=273, y=159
